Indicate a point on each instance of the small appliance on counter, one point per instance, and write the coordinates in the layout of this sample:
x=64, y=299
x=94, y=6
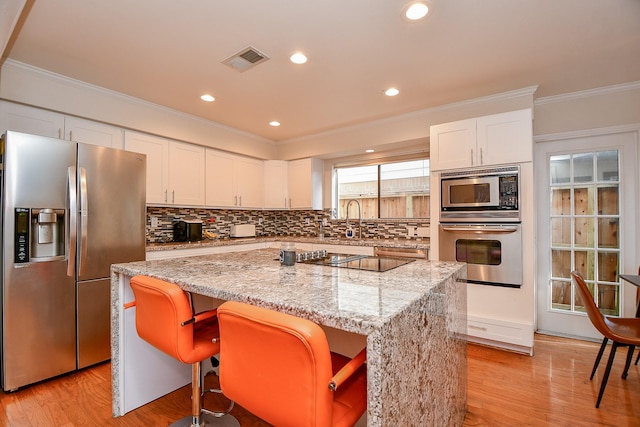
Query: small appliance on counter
x=187, y=230
x=243, y=230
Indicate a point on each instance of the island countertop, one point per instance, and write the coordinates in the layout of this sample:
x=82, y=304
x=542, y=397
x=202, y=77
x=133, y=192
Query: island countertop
x=413, y=318
x=352, y=300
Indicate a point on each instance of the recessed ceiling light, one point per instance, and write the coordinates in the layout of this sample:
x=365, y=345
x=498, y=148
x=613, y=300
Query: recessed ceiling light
x=369, y=151
x=207, y=98
x=298, y=58
x=274, y=123
x=392, y=91
x=415, y=10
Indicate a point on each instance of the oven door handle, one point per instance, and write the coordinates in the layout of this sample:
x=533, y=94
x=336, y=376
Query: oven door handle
x=480, y=230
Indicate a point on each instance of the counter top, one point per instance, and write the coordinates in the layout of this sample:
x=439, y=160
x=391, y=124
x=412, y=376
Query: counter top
x=392, y=243
x=352, y=300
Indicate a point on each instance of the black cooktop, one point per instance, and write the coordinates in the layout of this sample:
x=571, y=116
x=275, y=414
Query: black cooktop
x=360, y=262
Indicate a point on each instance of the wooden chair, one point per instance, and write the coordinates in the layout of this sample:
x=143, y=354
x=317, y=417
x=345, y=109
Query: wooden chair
x=279, y=367
x=622, y=331
x=166, y=320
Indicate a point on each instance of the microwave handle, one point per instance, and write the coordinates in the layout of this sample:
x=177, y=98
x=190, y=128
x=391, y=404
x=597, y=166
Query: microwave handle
x=480, y=230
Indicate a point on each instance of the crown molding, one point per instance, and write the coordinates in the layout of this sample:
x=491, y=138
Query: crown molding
x=583, y=133
x=605, y=90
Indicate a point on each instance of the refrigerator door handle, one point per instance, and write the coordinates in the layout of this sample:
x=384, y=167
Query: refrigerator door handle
x=73, y=220
x=83, y=221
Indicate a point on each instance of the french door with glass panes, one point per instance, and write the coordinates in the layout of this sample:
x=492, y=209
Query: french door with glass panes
x=586, y=203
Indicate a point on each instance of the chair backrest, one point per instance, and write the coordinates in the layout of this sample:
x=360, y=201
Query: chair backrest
x=275, y=365
x=161, y=307
x=595, y=316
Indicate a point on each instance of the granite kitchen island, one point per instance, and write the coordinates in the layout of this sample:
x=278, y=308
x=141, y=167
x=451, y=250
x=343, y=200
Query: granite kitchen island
x=412, y=318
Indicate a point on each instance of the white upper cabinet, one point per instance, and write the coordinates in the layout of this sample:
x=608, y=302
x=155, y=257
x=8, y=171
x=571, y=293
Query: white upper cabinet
x=248, y=177
x=305, y=183
x=21, y=118
x=233, y=181
x=186, y=174
x=275, y=184
x=484, y=141
x=175, y=170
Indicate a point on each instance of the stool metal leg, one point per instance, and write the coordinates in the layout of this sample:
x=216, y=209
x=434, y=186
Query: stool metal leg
x=199, y=416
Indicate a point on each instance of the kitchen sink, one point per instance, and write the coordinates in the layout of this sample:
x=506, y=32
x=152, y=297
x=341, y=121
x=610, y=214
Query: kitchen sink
x=360, y=262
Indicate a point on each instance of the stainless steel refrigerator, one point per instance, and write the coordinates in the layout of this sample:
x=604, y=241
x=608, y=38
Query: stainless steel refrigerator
x=69, y=211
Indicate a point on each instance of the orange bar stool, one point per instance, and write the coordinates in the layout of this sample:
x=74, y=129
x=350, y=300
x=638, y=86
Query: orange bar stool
x=622, y=331
x=279, y=367
x=166, y=320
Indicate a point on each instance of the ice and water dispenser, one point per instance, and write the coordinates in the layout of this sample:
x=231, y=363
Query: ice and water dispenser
x=39, y=234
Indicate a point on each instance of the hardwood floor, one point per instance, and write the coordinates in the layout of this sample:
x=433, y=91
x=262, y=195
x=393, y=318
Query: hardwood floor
x=552, y=388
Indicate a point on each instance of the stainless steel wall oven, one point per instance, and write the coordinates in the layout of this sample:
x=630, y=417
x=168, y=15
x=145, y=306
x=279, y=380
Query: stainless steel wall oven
x=480, y=224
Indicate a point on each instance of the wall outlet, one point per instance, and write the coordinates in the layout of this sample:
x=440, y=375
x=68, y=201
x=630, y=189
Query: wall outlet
x=259, y=221
x=412, y=231
x=154, y=221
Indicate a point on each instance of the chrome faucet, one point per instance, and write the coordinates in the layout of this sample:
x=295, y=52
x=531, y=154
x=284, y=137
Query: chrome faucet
x=359, y=216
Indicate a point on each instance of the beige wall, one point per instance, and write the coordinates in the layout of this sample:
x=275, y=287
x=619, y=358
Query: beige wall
x=600, y=108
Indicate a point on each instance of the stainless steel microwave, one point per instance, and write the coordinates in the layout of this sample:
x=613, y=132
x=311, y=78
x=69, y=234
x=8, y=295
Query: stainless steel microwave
x=483, y=195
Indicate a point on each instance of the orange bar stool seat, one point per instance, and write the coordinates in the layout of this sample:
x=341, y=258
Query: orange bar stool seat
x=279, y=368
x=622, y=331
x=166, y=320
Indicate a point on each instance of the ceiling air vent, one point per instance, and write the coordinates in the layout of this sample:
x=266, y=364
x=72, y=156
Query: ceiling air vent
x=245, y=59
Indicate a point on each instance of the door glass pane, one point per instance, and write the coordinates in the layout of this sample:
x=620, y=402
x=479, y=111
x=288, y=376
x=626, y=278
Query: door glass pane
x=608, y=200
x=583, y=201
x=608, y=166
x=583, y=167
x=561, y=231
x=583, y=232
x=560, y=295
x=560, y=263
x=608, y=266
x=608, y=299
x=584, y=263
x=560, y=169
x=560, y=201
x=608, y=236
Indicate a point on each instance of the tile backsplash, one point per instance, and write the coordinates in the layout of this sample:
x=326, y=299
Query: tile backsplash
x=272, y=223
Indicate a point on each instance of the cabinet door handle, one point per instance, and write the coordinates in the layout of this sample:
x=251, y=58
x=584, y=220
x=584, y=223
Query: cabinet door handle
x=165, y=196
x=59, y=133
x=235, y=200
x=472, y=162
x=173, y=196
x=285, y=202
x=481, y=159
x=240, y=201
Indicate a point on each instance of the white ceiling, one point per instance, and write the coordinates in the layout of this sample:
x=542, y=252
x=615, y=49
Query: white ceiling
x=169, y=52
